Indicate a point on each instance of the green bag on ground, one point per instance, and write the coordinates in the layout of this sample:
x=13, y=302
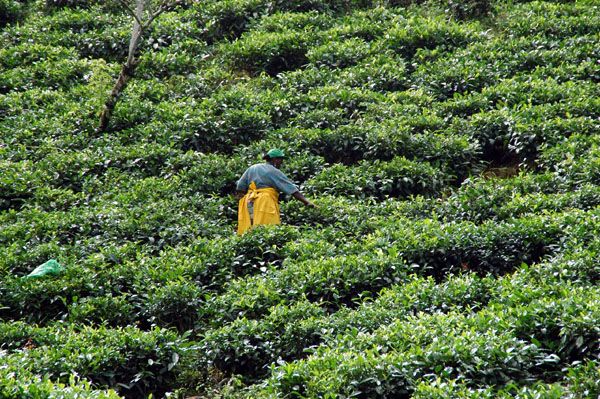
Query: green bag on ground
x=50, y=267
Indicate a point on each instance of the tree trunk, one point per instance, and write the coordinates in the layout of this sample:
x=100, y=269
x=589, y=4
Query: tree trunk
x=128, y=69
x=127, y=72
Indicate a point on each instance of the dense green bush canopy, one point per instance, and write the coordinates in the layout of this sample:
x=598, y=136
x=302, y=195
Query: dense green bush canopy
x=451, y=148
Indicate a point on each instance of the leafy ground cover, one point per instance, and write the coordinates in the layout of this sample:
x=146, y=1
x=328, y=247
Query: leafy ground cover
x=451, y=147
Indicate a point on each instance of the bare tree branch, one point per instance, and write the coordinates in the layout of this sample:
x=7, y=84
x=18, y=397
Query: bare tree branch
x=125, y=5
x=164, y=5
x=128, y=69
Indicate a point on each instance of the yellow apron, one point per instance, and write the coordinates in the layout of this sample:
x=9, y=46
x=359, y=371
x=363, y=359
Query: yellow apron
x=266, y=208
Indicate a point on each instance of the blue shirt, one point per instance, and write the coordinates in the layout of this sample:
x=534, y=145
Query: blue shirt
x=266, y=175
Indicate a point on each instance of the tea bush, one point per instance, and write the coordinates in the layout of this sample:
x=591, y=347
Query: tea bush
x=451, y=150
x=337, y=280
x=164, y=63
x=418, y=33
x=491, y=251
x=208, y=173
x=174, y=304
x=583, y=378
x=584, y=198
x=340, y=219
x=439, y=388
x=58, y=4
x=279, y=21
x=108, y=310
x=552, y=20
x=231, y=118
x=368, y=25
x=380, y=73
x=387, y=140
x=47, y=69
x=480, y=199
x=142, y=295
x=270, y=52
x=127, y=359
x=17, y=180
x=488, y=248
x=349, y=102
x=92, y=33
x=248, y=346
x=464, y=10
x=43, y=302
x=224, y=20
x=478, y=65
x=253, y=253
x=399, y=177
x=377, y=370
x=36, y=387
x=340, y=55
x=10, y=12
x=348, y=366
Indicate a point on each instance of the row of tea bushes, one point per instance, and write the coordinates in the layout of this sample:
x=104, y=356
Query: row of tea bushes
x=427, y=248
x=248, y=346
x=278, y=48
x=567, y=178
x=110, y=286
x=267, y=264
x=486, y=64
x=552, y=20
x=260, y=120
x=396, y=178
x=128, y=360
x=142, y=218
x=581, y=381
x=383, y=141
x=150, y=213
x=438, y=247
x=484, y=349
x=478, y=200
x=499, y=132
x=53, y=233
x=19, y=384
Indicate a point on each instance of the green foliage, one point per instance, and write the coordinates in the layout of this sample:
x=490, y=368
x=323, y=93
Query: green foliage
x=367, y=365
x=129, y=360
x=451, y=149
x=396, y=178
x=246, y=346
x=583, y=378
x=11, y=11
x=27, y=385
x=58, y=4
x=270, y=52
x=469, y=9
x=41, y=66
x=423, y=33
x=340, y=55
x=556, y=20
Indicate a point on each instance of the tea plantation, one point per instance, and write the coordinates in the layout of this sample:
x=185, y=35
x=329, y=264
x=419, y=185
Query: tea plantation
x=452, y=149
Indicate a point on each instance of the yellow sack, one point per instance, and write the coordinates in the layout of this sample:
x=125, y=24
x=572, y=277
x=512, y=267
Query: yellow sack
x=266, y=208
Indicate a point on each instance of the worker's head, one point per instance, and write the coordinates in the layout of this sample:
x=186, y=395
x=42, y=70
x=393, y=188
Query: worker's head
x=274, y=157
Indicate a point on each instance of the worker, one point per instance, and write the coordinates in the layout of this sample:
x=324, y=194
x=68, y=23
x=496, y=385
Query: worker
x=258, y=192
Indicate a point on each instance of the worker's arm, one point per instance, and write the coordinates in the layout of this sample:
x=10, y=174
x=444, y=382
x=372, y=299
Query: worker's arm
x=298, y=195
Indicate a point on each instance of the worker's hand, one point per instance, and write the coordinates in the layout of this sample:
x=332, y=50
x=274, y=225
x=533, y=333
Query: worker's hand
x=311, y=205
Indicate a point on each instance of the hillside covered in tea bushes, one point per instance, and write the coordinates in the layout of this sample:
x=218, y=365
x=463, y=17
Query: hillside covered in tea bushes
x=452, y=148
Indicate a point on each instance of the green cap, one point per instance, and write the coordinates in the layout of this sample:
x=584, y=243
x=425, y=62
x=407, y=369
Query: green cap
x=275, y=153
